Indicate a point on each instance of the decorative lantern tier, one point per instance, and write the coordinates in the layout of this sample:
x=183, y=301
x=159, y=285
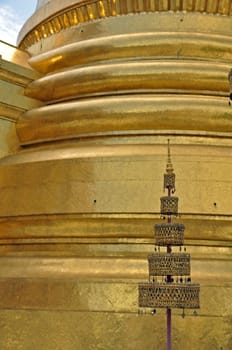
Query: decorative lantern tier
x=169, y=295
x=169, y=234
x=169, y=181
x=163, y=264
x=166, y=265
x=169, y=205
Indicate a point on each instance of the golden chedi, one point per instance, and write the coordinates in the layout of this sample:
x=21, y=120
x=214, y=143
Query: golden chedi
x=114, y=79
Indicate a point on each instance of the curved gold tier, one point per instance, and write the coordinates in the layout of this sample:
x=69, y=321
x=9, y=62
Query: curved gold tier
x=91, y=10
x=131, y=73
x=102, y=176
x=137, y=46
x=124, y=113
x=132, y=77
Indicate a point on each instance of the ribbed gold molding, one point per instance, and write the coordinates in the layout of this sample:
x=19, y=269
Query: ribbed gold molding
x=13, y=78
x=10, y=112
x=124, y=113
x=168, y=45
x=133, y=77
x=98, y=9
x=109, y=228
x=88, y=268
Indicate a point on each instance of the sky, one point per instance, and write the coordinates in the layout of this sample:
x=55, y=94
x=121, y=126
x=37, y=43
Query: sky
x=13, y=14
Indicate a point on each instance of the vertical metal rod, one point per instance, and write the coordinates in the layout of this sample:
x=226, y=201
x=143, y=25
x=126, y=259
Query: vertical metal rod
x=169, y=329
x=169, y=310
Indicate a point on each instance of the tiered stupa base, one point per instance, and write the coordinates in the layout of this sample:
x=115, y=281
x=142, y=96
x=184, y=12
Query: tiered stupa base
x=77, y=201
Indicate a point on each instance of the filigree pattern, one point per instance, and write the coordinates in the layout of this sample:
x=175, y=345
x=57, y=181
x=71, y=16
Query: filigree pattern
x=169, y=205
x=169, y=295
x=169, y=234
x=163, y=264
x=169, y=181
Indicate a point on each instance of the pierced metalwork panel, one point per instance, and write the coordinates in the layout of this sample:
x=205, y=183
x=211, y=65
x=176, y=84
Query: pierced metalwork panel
x=169, y=181
x=163, y=264
x=169, y=234
x=169, y=205
x=171, y=295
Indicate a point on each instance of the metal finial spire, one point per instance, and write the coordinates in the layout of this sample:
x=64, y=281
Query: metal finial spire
x=169, y=283
x=169, y=167
x=169, y=176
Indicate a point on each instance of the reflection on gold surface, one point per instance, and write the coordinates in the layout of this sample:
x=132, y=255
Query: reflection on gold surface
x=97, y=9
x=137, y=112
x=189, y=77
x=198, y=46
x=79, y=195
x=13, y=54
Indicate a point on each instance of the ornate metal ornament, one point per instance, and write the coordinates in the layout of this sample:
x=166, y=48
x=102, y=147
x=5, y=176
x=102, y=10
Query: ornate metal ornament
x=169, y=234
x=169, y=295
x=169, y=181
x=169, y=273
x=163, y=264
x=169, y=205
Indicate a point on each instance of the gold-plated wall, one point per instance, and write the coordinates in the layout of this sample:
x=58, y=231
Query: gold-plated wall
x=80, y=195
x=15, y=75
x=71, y=13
